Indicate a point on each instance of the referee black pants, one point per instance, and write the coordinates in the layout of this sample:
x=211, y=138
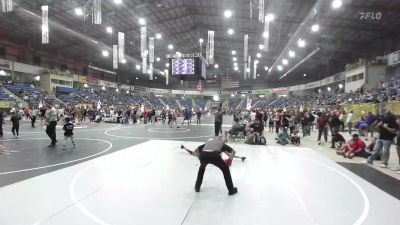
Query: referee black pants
x=218, y=125
x=215, y=159
x=51, y=132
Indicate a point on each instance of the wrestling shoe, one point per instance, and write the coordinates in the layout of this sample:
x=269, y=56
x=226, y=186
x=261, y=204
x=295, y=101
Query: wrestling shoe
x=243, y=158
x=233, y=191
x=384, y=166
x=197, y=189
x=182, y=147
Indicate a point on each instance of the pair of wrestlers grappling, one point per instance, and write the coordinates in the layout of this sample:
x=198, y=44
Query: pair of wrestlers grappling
x=210, y=153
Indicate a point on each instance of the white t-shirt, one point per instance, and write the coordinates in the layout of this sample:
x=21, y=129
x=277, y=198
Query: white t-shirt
x=349, y=118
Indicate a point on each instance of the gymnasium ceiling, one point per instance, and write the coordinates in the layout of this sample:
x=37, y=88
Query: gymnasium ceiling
x=343, y=36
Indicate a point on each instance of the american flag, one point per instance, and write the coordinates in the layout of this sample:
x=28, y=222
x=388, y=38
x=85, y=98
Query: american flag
x=227, y=83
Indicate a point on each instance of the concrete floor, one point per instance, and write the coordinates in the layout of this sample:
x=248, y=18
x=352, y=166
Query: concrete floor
x=148, y=180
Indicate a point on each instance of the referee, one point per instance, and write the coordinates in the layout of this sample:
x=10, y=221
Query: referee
x=51, y=123
x=210, y=152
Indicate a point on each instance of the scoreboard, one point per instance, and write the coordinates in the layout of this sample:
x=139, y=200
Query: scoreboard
x=183, y=66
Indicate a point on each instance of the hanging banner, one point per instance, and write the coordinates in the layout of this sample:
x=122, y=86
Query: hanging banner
x=45, y=24
x=144, y=65
x=7, y=5
x=151, y=71
x=115, y=56
x=210, y=48
x=151, y=49
x=166, y=77
x=248, y=70
x=143, y=36
x=96, y=14
x=255, y=69
x=245, y=71
x=282, y=90
x=245, y=48
x=266, y=34
x=251, y=9
x=121, y=47
x=261, y=11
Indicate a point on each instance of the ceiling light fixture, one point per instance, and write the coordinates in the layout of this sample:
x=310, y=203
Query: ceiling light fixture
x=158, y=36
x=270, y=17
x=258, y=55
x=105, y=53
x=137, y=67
x=292, y=53
x=201, y=40
x=216, y=66
x=304, y=75
x=228, y=13
x=265, y=35
x=158, y=59
x=142, y=21
x=235, y=64
x=117, y=1
x=279, y=67
x=266, y=68
x=315, y=28
x=233, y=52
x=109, y=30
x=234, y=59
x=230, y=31
x=170, y=46
x=261, y=47
x=285, y=61
x=236, y=68
x=123, y=61
x=301, y=43
x=78, y=11
x=166, y=64
x=337, y=4
x=256, y=61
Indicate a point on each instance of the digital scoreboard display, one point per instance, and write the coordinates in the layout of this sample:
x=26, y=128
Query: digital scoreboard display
x=183, y=66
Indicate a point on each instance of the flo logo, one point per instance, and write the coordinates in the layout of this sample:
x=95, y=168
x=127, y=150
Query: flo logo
x=370, y=15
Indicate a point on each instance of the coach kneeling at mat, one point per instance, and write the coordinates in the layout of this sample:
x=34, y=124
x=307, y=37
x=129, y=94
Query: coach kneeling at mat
x=210, y=152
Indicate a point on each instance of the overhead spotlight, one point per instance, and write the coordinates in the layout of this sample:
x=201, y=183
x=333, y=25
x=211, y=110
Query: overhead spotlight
x=137, y=78
x=85, y=85
x=234, y=59
x=142, y=21
x=201, y=40
x=170, y=47
x=337, y=4
x=158, y=59
x=117, y=1
x=304, y=75
x=232, y=95
x=127, y=92
x=37, y=78
x=78, y=11
x=248, y=70
x=261, y=47
x=166, y=64
x=117, y=90
x=315, y=28
x=243, y=95
x=256, y=61
x=109, y=30
x=285, y=61
x=266, y=68
x=103, y=88
x=279, y=67
x=123, y=61
x=292, y=53
x=269, y=17
x=105, y=53
x=137, y=67
x=258, y=75
x=149, y=71
x=230, y=31
x=265, y=35
x=233, y=52
x=235, y=64
x=301, y=43
x=158, y=36
x=235, y=68
x=258, y=55
x=215, y=76
x=216, y=66
x=178, y=54
x=228, y=13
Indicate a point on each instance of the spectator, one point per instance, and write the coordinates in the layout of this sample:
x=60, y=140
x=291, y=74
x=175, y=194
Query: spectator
x=337, y=140
x=322, y=125
x=387, y=131
x=349, y=121
x=283, y=137
x=354, y=147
